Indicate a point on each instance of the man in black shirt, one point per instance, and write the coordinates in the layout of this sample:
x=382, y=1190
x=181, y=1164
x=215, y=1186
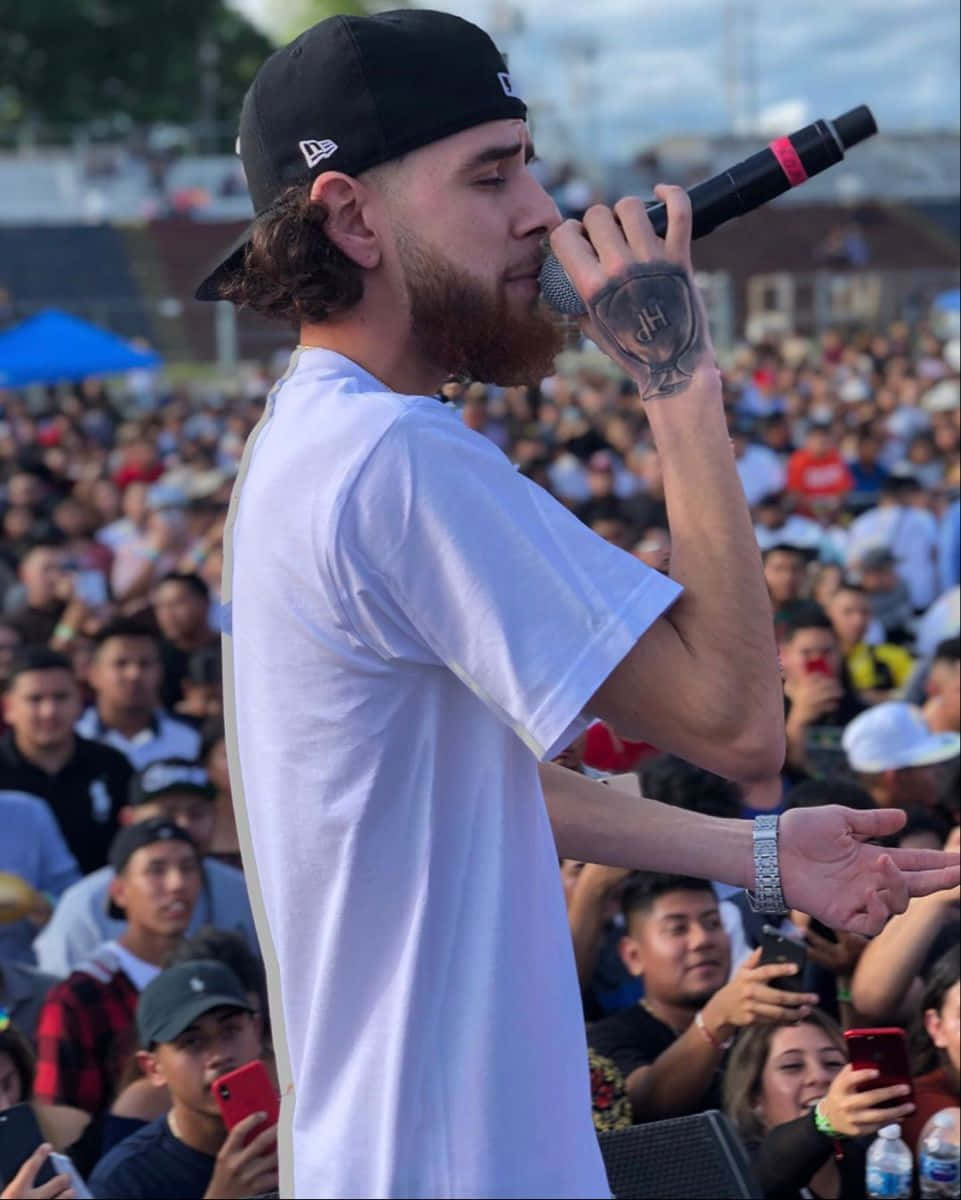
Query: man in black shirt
x=195, y=1024
x=181, y=608
x=42, y=575
x=84, y=783
x=819, y=700
x=670, y=1046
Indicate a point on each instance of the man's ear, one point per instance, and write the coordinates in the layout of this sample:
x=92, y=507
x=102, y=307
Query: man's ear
x=117, y=889
x=150, y=1067
x=126, y=816
x=631, y=955
x=345, y=200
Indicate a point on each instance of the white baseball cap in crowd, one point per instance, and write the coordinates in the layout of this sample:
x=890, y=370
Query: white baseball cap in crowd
x=893, y=735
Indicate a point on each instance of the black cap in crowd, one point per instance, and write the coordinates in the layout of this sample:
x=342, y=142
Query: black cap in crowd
x=134, y=837
x=354, y=92
x=179, y=995
x=169, y=775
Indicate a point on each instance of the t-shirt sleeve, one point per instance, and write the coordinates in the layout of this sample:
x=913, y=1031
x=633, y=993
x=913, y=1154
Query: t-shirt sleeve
x=615, y=1040
x=114, y=1178
x=445, y=555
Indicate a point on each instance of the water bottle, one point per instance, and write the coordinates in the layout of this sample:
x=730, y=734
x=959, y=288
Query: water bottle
x=939, y=1156
x=889, y=1174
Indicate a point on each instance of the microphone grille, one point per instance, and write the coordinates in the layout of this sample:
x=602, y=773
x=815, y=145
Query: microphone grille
x=558, y=291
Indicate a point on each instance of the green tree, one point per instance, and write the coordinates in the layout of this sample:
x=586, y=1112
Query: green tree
x=70, y=63
x=287, y=18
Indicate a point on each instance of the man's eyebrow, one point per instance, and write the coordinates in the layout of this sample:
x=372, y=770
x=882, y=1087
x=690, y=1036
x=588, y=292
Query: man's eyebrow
x=497, y=154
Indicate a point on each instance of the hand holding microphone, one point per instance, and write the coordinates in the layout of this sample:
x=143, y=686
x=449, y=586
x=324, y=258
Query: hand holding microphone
x=785, y=163
x=641, y=303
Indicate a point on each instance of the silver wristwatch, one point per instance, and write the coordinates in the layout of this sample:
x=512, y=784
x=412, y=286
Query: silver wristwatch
x=767, y=896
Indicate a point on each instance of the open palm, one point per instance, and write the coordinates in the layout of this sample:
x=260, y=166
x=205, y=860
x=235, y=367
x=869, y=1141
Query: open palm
x=829, y=871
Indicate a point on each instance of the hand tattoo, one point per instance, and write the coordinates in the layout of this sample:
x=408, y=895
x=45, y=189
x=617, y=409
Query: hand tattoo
x=651, y=317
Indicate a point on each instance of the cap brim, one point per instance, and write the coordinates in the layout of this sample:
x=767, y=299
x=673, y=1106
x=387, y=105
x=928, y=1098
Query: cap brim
x=934, y=749
x=938, y=748
x=210, y=288
x=180, y=1020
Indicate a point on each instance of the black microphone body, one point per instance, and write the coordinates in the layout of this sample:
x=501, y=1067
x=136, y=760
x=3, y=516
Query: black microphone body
x=783, y=164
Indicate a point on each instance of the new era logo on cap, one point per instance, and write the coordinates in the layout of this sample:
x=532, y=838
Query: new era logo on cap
x=197, y=984
x=505, y=82
x=315, y=152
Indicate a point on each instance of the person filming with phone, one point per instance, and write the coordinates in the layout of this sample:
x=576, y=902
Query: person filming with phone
x=671, y=1046
x=818, y=702
x=803, y=1111
x=195, y=1024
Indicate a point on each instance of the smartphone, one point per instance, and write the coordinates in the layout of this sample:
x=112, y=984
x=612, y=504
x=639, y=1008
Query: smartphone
x=19, y=1136
x=244, y=1091
x=886, y=1050
x=818, y=666
x=822, y=930
x=776, y=948
x=91, y=588
x=63, y=1166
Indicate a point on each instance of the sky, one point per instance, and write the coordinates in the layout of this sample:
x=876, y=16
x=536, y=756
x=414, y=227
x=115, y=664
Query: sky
x=660, y=68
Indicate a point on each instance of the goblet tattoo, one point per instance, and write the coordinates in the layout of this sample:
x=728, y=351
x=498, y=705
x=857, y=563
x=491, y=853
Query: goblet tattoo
x=650, y=314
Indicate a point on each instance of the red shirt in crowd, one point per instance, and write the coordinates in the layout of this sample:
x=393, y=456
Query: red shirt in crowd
x=811, y=477
x=133, y=472
x=932, y=1092
x=84, y=1034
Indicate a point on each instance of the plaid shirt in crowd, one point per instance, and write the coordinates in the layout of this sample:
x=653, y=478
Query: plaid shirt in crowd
x=85, y=1032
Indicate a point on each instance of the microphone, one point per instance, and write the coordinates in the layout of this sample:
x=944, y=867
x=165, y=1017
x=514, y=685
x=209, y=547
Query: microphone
x=784, y=163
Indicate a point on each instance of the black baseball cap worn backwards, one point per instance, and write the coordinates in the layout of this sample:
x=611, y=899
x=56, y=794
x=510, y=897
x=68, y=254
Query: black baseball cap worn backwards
x=354, y=92
x=169, y=775
x=134, y=837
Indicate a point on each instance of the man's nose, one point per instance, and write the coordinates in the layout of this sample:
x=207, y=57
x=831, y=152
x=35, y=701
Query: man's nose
x=539, y=213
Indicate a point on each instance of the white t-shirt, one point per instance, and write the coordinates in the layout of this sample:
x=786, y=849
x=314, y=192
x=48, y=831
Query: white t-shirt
x=911, y=534
x=413, y=624
x=165, y=737
x=761, y=472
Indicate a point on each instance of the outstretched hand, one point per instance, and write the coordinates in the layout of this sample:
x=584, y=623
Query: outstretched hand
x=830, y=872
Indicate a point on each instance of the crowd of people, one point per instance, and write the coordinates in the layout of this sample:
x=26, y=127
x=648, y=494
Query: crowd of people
x=130, y=976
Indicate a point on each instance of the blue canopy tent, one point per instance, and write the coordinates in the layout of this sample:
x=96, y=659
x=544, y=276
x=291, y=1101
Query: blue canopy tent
x=53, y=346
x=949, y=301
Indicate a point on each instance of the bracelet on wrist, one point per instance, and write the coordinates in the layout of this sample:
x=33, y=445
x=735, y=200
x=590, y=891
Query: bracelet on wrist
x=710, y=1037
x=824, y=1125
x=843, y=995
x=767, y=896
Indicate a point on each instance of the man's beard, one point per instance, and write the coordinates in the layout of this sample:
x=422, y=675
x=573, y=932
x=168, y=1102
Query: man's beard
x=470, y=331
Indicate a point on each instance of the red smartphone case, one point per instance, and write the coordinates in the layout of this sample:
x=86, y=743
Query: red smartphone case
x=884, y=1050
x=247, y=1090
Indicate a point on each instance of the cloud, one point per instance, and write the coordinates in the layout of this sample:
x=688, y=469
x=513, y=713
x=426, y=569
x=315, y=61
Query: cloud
x=661, y=69
x=784, y=115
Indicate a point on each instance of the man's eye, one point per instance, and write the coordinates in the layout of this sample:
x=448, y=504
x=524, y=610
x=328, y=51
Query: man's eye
x=494, y=181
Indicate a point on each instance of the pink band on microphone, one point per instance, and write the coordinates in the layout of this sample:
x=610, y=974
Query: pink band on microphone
x=790, y=161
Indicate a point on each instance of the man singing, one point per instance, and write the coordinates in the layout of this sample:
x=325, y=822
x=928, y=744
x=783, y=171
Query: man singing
x=417, y=629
